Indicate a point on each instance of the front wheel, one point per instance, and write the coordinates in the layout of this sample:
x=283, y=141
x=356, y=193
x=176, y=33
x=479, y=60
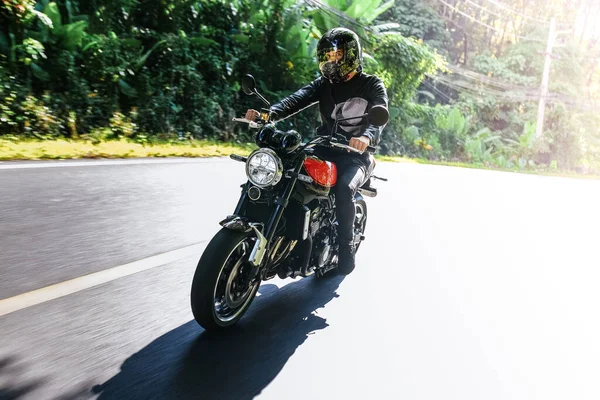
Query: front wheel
x=222, y=288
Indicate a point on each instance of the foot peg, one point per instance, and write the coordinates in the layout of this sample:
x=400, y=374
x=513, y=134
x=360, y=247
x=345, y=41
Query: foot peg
x=368, y=191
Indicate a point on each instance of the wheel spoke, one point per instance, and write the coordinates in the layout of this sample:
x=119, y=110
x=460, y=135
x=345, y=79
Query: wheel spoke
x=239, y=262
x=232, y=293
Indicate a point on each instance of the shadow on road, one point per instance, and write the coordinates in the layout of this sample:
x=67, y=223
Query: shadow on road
x=10, y=371
x=187, y=363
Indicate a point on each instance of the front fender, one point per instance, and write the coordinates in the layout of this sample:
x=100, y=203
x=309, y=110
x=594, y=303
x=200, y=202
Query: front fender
x=242, y=224
x=236, y=223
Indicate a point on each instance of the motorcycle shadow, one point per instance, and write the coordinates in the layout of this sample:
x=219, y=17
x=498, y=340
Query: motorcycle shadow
x=236, y=364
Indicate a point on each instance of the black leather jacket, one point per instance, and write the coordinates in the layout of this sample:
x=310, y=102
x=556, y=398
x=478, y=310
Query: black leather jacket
x=343, y=100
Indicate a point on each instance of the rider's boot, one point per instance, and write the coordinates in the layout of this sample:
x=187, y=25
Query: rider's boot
x=346, y=262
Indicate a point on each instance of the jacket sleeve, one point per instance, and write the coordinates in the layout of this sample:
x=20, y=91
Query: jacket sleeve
x=298, y=101
x=377, y=96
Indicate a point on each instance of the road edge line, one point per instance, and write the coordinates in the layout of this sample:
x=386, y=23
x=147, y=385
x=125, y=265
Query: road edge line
x=62, y=289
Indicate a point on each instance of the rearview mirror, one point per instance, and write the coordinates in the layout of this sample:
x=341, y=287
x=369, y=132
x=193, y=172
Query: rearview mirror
x=248, y=84
x=249, y=87
x=378, y=115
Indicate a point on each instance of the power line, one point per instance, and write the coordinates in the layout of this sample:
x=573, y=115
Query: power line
x=525, y=93
x=505, y=7
x=487, y=86
x=450, y=99
x=478, y=90
x=486, y=79
x=481, y=90
x=484, y=9
x=487, y=25
x=337, y=13
x=510, y=10
x=512, y=97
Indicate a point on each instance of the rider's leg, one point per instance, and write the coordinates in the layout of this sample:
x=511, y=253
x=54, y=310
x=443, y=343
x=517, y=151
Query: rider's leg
x=351, y=176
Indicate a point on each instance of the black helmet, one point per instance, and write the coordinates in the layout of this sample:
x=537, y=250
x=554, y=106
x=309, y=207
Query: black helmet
x=345, y=42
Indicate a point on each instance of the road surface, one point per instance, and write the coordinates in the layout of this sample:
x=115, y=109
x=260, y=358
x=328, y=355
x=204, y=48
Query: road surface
x=471, y=285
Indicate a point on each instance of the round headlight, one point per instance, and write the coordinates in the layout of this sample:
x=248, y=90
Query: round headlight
x=264, y=168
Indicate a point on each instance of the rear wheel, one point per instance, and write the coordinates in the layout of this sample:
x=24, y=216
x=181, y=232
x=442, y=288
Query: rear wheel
x=360, y=224
x=360, y=221
x=222, y=289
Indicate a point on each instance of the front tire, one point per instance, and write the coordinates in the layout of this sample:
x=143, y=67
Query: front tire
x=221, y=293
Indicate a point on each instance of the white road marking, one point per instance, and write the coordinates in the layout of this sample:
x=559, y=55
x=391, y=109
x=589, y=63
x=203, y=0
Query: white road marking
x=68, y=163
x=62, y=289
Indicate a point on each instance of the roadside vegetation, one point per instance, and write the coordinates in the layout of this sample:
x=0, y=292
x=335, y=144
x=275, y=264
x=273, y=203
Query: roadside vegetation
x=69, y=149
x=125, y=78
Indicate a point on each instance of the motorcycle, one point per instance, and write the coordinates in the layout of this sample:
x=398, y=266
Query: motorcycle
x=284, y=223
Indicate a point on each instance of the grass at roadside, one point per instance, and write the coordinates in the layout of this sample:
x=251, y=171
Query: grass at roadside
x=74, y=149
x=532, y=171
x=70, y=149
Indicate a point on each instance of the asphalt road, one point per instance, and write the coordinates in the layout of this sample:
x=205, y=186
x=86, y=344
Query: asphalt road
x=471, y=285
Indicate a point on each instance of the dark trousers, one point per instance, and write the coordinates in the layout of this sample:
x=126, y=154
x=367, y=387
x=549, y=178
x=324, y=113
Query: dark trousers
x=353, y=172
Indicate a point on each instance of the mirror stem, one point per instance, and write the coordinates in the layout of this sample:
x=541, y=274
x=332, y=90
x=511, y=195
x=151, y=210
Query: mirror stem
x=262, y=98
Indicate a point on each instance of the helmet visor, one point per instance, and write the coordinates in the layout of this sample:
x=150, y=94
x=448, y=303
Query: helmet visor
x=331, y=54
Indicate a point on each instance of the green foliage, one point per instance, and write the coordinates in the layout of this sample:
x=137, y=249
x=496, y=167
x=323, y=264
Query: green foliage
x=364, y=12
x=172, y=68
x=11, y=93
x=417, y=19
x=480, y=147
x=16, y=12
x=497, y=99
x=117, y=68
x=38, y=119
x=402, y=64
x=453, y=121
x=516, y=67
x=121, y=126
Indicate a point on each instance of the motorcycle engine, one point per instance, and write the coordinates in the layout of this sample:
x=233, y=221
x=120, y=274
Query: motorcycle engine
x=323, y=234
x=323, y=257
x=321, y=251
x=315, y=221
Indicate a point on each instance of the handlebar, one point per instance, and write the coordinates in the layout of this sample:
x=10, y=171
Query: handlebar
x=369, y=149
x=246, y=121
x=333, y=142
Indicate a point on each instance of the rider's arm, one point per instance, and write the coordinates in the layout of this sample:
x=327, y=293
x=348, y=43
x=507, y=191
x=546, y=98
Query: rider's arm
x=377, y=96
x=298, y=101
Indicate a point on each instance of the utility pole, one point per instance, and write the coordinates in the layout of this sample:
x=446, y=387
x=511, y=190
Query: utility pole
x=552, y=35
x=545, y=77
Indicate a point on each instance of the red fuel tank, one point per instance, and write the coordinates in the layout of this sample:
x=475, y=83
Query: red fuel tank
x=323, y=173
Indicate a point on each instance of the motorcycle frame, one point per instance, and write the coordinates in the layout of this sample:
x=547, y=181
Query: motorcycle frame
x=281, y=204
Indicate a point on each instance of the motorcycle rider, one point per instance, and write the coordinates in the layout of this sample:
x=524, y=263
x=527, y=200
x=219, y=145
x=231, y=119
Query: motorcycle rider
x=343, y=90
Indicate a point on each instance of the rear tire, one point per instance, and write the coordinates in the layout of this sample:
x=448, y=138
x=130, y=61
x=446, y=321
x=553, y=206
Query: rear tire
x=360, y=219
x=360, y=223
x=219, y=295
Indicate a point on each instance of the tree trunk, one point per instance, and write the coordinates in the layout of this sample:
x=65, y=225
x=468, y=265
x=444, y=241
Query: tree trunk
x=272, y=28
x=501, y=42
x=466, y=53
x=586, y=11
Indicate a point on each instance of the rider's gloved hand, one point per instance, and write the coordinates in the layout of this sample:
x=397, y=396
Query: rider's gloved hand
x=252, y=115
x=360, y=143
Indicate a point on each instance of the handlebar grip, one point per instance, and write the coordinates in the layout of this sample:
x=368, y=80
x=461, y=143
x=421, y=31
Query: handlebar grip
x=369, y=149
x=252, y=124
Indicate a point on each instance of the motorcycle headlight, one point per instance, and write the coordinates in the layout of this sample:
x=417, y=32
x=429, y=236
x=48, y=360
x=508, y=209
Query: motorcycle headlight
x=264, y=168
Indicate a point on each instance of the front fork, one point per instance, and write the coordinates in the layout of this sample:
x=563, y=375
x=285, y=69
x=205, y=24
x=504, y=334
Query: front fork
x=265, y=235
